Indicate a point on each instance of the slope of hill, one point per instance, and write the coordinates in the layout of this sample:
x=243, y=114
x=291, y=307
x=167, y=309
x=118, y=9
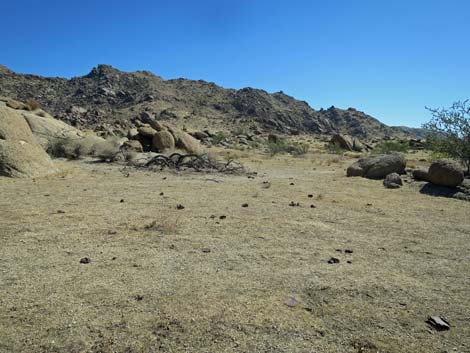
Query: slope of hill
x=108, y=97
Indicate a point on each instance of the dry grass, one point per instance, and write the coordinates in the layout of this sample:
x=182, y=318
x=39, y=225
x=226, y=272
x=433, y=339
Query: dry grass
x=214, y=276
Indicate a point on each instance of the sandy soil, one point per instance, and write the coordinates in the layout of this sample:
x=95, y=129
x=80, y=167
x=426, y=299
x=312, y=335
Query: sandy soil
x=162, y=279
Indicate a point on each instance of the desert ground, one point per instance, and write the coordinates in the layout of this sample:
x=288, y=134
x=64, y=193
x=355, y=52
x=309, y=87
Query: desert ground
x=218, y=277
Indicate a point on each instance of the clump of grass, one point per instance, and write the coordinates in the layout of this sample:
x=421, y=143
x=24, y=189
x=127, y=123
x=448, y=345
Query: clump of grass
x=218, y=138
x=32, y=105
x=71, y=147
x=335, y=149
x=165, y=226
x=282, y=146
x=392, y=146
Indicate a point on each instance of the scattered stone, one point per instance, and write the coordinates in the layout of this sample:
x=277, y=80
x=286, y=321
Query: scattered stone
x=85, y=260
x=333, y=260
x=139, y=297
x=222, y=217
x=206, y=250
x=310, y=196
x=112, y=231
x=438, y=323
x=348, y=251
x=392, y=181
x=313, y=206
x=445, y=172
x=245, y=205
x=294, y=204
x=179, y=207
x=290, y=302
x=161, y=194
x=60, y=211
x=121, y=201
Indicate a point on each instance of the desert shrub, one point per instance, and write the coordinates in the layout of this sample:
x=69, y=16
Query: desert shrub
x=218, y=138
x=107, y=150
x=392, y=146
x=335, y=149
x=32, y=104
x=449, y=132
x=282, y=146
x=240, y=131
x=71, y=147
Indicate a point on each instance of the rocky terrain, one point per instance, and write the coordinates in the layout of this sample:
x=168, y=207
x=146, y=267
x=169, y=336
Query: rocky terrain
x=108, y=98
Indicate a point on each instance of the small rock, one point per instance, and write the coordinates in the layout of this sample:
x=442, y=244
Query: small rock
x=313, y=206
x=294, y=204
x=112, y=231
x=290, y=302
x=179, y=207
x=139, y=297
x=122, y=200
x=222, y=217
x=439, y=323
x=85, y=260
x=60, y=211
x=333, y=260
x=348, y=251
x=310, y=196
x=206, y=250
x=245, y=205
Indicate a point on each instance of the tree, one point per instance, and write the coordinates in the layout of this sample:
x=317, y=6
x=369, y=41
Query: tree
x=449, y=131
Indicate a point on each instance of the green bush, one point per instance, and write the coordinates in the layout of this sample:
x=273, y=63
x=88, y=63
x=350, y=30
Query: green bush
x=449, y=132
x=392, y=146
x=218, y=138
x=335, y=149
x=282, y=146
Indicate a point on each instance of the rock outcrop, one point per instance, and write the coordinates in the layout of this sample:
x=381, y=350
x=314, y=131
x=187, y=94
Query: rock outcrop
x=20, y=153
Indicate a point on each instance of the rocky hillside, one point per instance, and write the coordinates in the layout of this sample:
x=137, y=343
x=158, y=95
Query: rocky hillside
x=108, y=98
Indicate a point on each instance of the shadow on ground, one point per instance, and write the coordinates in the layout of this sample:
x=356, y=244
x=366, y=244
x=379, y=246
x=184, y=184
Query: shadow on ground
x=461, y=192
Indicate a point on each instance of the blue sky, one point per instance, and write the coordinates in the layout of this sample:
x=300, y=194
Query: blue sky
x=387, y=58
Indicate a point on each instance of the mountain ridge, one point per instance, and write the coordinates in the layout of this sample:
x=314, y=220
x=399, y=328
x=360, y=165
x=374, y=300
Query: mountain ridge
x=107, y=97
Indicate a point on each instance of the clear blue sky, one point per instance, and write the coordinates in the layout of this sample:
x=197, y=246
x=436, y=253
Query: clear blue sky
x=388, y=58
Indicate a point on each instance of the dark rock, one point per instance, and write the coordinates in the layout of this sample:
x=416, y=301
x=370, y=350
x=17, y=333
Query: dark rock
x=85, y=260
x=392, y=181
x=333, y=260
x=378, y=167
x=445, y=172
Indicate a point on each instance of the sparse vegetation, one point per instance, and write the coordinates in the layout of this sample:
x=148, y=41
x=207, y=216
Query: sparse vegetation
x=32, y=104
x=77, y=148
x=449, y=132
x=335, y=149
x=218, y=138
x=392, y=146
x=283, y=146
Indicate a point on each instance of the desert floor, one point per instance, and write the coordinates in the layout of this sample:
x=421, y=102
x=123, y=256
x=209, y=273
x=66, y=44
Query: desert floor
x=162, y=279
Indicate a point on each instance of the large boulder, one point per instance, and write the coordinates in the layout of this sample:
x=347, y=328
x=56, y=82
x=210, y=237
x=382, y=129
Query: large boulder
x=163, y=140
x=186, y=142
x=48, y=131
x=378, y=167
x=20, y=153
x=445, y=172
x=342, y=141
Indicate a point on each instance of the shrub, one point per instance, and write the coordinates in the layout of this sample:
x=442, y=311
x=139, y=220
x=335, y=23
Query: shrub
x=75, y=148
x=392, y=146
x=449, y=132
x=32, y=104
x=335, y=149
x=218, y=138
x=282, y=146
